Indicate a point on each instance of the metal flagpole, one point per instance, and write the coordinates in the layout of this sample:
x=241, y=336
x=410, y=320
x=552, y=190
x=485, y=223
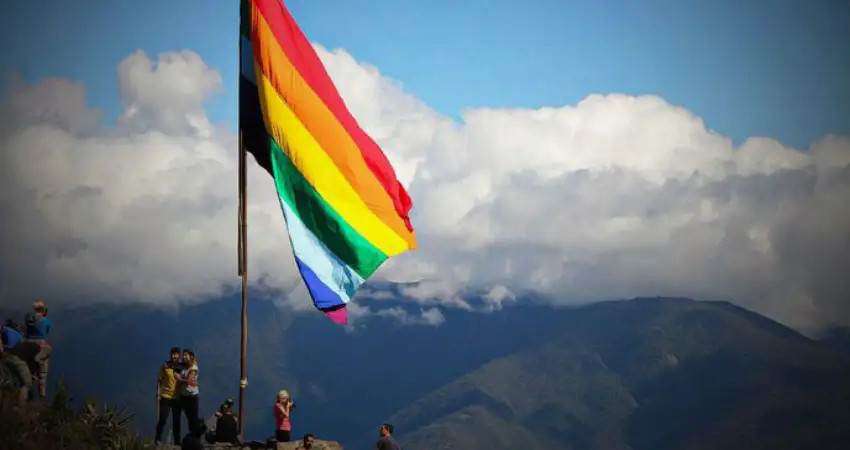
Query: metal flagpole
x=243, y=272
x=242, y=257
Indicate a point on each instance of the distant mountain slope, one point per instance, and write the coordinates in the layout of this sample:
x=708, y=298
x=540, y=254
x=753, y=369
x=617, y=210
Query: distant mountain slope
x=838, y=338
x=642, y=374
x=113, y=352
x=648, y=374
x=339, y=378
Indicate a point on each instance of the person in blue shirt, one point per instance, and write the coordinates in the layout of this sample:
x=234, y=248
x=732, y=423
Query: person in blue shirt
x=38, y=327
x=37, y=322
x=10, y=335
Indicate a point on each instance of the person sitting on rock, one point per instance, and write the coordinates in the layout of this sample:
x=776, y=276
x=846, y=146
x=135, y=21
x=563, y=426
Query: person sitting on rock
x=10, y=334
x=227, y=404
x=307, y=442
x=12, y=379
x=194, y=439
x=21, y=364
x=387, y=441
x=226, y=426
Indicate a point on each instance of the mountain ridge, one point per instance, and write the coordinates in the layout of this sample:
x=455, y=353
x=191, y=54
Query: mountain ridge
x=608, y=377
x=607, y=359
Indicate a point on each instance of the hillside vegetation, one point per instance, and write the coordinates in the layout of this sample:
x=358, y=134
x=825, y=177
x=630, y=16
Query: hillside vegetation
x=644, y=374
x=58, y=425
x=650, y=374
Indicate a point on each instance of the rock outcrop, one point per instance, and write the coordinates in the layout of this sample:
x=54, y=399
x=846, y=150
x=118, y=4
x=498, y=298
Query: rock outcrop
x=317, y=445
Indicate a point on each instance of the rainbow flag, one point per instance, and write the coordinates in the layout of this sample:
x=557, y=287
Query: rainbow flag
x=345, y=210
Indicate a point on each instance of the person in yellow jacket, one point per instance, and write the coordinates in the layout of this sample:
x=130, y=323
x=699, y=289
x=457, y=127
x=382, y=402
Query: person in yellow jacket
x=167, y=397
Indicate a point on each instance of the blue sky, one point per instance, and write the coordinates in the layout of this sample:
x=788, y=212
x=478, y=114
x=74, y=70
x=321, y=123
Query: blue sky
x=761, y=67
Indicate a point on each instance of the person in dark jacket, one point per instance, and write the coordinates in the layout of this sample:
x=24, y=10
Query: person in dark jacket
x=194, y=440
x=226, y=426
x=387, y=441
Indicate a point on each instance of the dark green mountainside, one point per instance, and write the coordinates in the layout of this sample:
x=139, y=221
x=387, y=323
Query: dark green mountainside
x=646, y=374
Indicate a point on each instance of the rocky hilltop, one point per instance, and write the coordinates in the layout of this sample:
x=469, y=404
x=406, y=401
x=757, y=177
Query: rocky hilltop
x=317, y=445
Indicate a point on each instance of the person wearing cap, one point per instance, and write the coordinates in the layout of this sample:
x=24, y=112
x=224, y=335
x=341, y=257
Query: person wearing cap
x=226, y=426
x=227, y=404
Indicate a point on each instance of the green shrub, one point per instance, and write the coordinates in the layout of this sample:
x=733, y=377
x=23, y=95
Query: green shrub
x=58, y=425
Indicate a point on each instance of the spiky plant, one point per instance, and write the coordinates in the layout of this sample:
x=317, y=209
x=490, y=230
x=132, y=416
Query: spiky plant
x=58, y=426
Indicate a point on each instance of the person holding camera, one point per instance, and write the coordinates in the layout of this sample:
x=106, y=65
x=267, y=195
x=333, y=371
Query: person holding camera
x=283, y=416
x=226, y=425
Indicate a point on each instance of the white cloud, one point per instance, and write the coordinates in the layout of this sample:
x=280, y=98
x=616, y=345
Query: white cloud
x=426, y=317
x=615, y=197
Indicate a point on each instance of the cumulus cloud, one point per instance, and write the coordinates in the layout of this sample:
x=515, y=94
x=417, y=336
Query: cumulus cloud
x=617, y=196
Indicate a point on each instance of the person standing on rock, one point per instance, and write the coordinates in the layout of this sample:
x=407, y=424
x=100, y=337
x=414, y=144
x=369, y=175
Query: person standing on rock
x=168, y=399
x=387, y=441
x=188, y=385
x=38, y=327
x=282, y=417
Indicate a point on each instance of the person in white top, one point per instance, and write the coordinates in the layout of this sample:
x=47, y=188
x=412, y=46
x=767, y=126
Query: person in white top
x=188, y=387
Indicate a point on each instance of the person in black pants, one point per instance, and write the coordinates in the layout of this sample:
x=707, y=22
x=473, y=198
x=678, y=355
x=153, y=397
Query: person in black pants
x=188, y=381
x=226, y=426
x=168, y=397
